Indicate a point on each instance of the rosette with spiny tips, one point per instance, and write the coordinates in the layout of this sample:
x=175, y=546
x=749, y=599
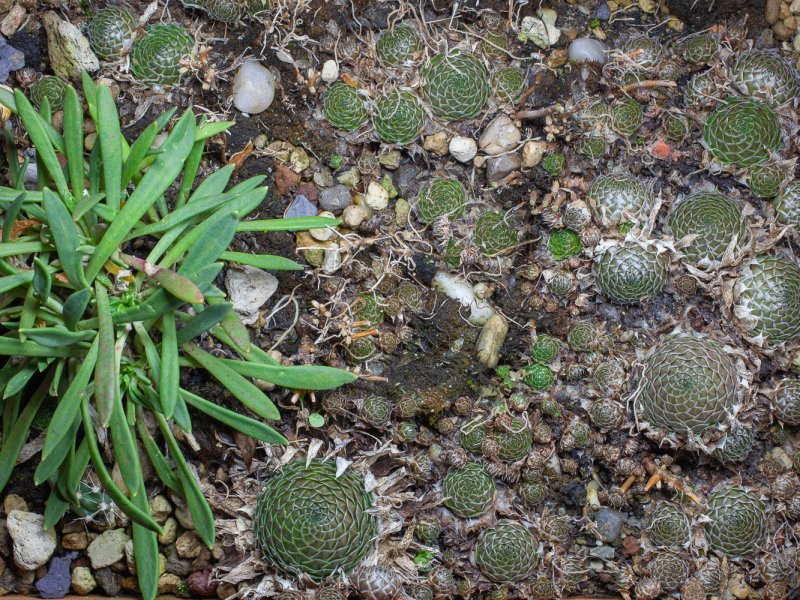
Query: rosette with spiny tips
x=626, y=116
x=643, y=51
x=50, y=88
x=468, y=491
x=688, y=383
x=441, y=197
x=670, y=569
x=714, y=219
x=110, y=30
x=377, y=583
x=508, y=84
x=669, y=525
x=766, y=75
x=308, y=520
x=736, y=444
x=398, y=117
x=612, y=193
x=507, y=552
x=157, y=57
x=767, y=298
x=630, y=272
x=493, y=234
x=736, y=521
x=702, y=89
x=765, y=182
x=700, y=49
x=786, y=401
x=787, y=205
x=225, y=11
x=515, y=443
x=742, y=131
x=344, y=106
x=456, y=85
x=397, y=46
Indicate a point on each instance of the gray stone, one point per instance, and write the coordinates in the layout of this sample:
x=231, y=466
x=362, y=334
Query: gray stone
x=11, y=59
x=497, y=168
x=501, y=135
x=300, y=207
x=177, y=565
x=33, y=545
x=160, y=508
x=602, y=12
x=108, y=581
x=406, y=180
x=55, y=584
x=608, y=525
x=107, y=548
x=68, y=48
x=604, y=552
x=335, y=199
x=249, y=289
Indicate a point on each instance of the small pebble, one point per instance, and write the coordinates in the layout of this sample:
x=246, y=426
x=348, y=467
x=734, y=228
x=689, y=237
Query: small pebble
x=330, y=71
x=463, y=149
x=300, y=207
x=377, y=197
x=335, y=199
x=353, y=216
x=83, y=581
x=501, y=135
x=253, y=88
x=323, y=234
x=772, y=12
x=436, y=143
x=497, y=168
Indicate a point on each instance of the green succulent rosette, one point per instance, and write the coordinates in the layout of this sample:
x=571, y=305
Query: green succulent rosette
x=582, y=336
x=456, y=85
x=156, y=58
x=225, y=11
x=554, y=164
x=606, y=414
x=736, y=521
x=377, y=411
x=494, y=42
x=700, y=49
x=472, y=437
x=50, y=88
x=786, y=401
x=344, y=107
x=612, y=193
x=544, y=349
x=398, y=46
x=702, y=89
x=643, y=51
x=111, y=29
x=670, y=570
x=532, y=493
x=508, y=84
x=765, y=180
x=308, y=520
x=564, y=243
x=561, y=284
x=767, y=298
x=468, y=491
x=676, y=127
x=507, y=552
x=787, y=205
x=538, y=377
x=626, y=116
x=493, y=234
x=766, y=75
x=736, y=445
x=514, y=444
x=688, y=384
x=668, y=526
x=398, y=117
x=441, y=198
x=369, y=307
x=742, y=131
x=592, y=147
x=714, y=218
x=630, y=273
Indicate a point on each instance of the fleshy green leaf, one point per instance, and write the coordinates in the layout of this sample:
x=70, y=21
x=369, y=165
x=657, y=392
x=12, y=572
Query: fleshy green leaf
x=246, y=425
x=105, y=372
x=262, y=261
x=170, y=371
x=109, y=136
x=65, y=235
x=291, y=224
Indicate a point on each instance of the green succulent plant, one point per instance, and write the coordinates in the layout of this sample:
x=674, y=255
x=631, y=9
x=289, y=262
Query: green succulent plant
x=554, y=163
x=714, y=218
x=515, y=443
x=360, y=350
x=594, y=115
x=468, y=491
x=472, y=437
x=612, y=193
x=736, y=445
x=110, y=31
x=786, y=402
x=398, y=117
x=376, y=410
x=369, y=308
x=329, y=593
x=561, y=284
x=494, y=41
x=742, y=131
x=643, y=51
x=737, y=522
x=507, y=552
x=582, y=336
x=606, y=414
x=766, y=75
x=441, y=197
x=544, y=349
x=157, y=57
x=50, y=88
x=670, y=570
x=456, y=85
x=508, y=84
x=676, y=127
x=538, y=377
x=344, y=106
x=702, y=89
x=398, y=46
x=630, y=272
x=787, y=205
x=765, y=180
x=377, y=583
x=768, y=291
x=428, y=530
x=564, y=243
x=123, y=285
x=626, y=116
x=592, y=147
x=532, y=493
x=668, y=526
x=493, y=234
x=688, y=384
x=308, y=520
x=700, y=49
x=225, y=11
